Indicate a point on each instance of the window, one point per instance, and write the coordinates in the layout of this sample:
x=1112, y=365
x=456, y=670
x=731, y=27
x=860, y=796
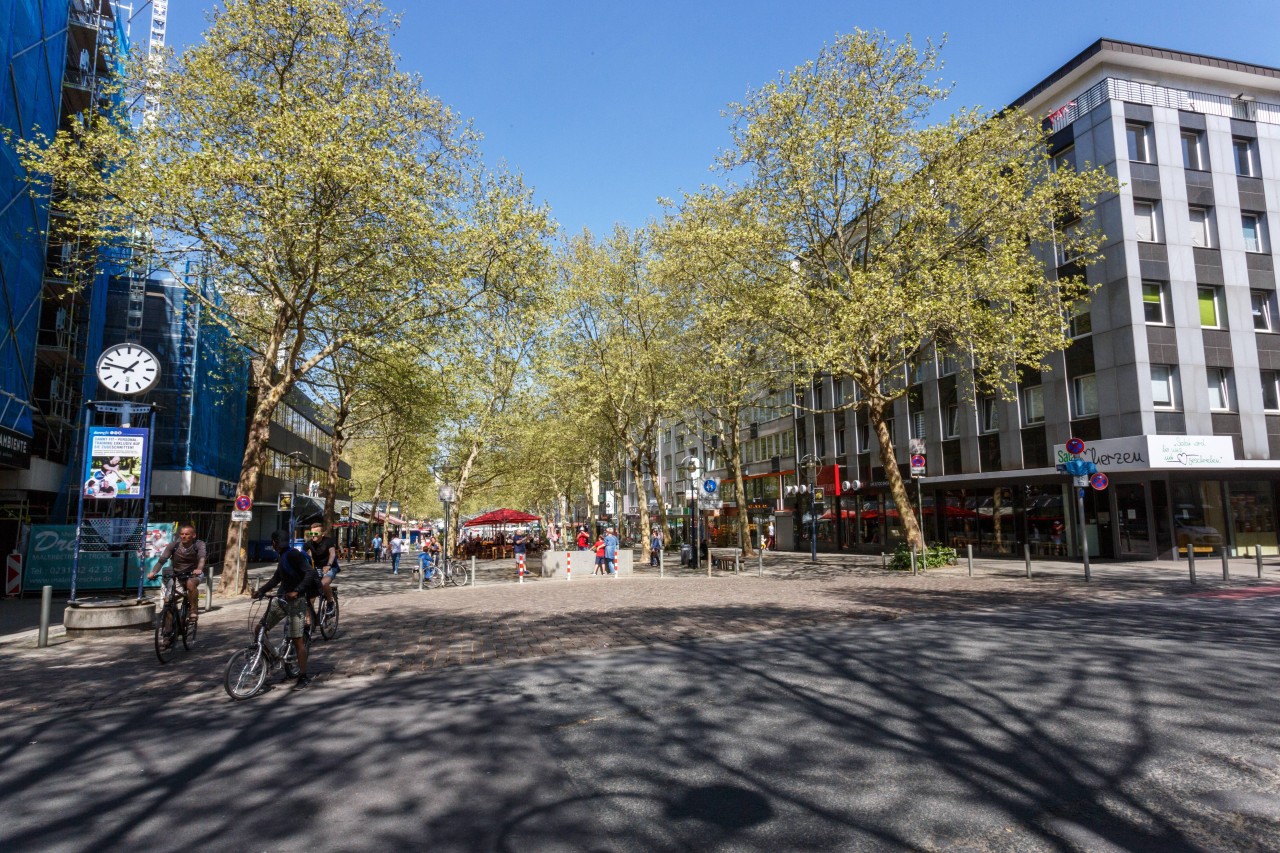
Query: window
x=1153, y=303
x=1147, y=223
x=918, y=426
x=1065, y=246
x=989, y=414
x=1086, y=395
x=1079, y=321
x=1193, y=149
x=840, y=448
x=864, y=436
x=1033, y=405
x=837, y=392
x=1264, y=309
x=951, y=421
x=948, y=364
x=1219, y=381
x=1201, y=227
x=1251, y=227
x=1212, y=312
x=1140, y=148
x=1065, y=159
x=1164, y=391
x=1271, y=390
x=1245, y=161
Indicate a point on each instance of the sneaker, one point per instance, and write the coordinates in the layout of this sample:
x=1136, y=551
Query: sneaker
x=302, y=683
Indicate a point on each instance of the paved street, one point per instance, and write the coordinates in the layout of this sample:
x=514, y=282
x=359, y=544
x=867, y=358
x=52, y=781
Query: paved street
x=839, y=709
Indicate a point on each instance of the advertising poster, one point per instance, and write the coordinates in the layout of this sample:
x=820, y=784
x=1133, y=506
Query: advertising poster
x=49, y=554
x=113, y=468
x=158, y=538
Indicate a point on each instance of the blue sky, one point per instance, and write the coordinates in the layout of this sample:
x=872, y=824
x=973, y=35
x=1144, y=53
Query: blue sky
x=605, y=106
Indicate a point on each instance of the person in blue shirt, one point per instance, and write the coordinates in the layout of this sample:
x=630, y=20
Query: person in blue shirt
x=611, y=550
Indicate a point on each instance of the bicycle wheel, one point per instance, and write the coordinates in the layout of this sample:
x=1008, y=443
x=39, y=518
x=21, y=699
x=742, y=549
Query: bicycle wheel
x=185, y=629
x=289, y=654
x=246, y=673
x=166, y=631
x=329, y=617
x=456, y=575
x=436, y=580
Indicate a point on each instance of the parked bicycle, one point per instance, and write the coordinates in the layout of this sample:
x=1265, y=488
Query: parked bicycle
x=248, y=668
x=449, y=571
x=172, y=622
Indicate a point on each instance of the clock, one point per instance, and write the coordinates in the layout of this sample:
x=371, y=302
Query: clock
x=128, y=369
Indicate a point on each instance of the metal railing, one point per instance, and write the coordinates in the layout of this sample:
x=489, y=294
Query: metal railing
x=1114, y=88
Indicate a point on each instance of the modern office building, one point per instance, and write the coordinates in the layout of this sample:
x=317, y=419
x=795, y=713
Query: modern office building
x=1173, y=377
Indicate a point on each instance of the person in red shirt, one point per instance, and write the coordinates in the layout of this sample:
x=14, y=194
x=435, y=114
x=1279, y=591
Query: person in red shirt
x=602, y=562
x=582, y=538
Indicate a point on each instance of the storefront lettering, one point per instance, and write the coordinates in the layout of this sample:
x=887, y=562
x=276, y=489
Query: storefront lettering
x=1126, y=457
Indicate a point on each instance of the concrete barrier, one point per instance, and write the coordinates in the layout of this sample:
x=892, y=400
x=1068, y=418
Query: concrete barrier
x=584, y=563
x=91, y=618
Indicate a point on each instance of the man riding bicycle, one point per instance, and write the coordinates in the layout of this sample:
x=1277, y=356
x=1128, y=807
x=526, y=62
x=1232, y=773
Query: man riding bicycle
x=323, y=551
x=188, y=556
x=297, y=583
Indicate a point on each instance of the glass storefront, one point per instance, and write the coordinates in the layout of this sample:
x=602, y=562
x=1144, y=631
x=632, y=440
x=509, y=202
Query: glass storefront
x=1253, y=518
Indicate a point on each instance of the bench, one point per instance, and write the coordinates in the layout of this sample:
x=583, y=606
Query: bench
x=725, y=559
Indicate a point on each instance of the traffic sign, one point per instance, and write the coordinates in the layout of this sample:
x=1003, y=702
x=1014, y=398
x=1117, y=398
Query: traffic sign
x=917, y=464
x=241, y=515
x=1099, y=481
x=13, y=575
x=244, y=502
x=1080, y=481
x=710, y=485
x=1075, y=447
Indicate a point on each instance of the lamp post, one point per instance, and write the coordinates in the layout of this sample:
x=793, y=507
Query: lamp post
x=446, y=495
x=693, y=466
x=810, y=465
x=296, y=466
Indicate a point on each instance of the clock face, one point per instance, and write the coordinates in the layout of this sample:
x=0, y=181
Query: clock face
x=128, y=369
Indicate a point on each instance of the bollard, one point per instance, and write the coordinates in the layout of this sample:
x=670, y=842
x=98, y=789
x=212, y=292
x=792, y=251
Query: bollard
x=1191, y=561
x=1257, y=556
x=884, y=562
x=1026, y=553
x=737, y=564
x=760, y=561
x=520, y=566
x=662, y=561
x=568, y=565
x=473, y=569
x=46, y=607
x=615, y=565
x=913, y=561
x=208, y=590
x=1226, y=569
x=969, y=549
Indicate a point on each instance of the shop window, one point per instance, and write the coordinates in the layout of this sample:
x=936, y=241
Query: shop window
x=1253, y=518
x=1199, y=520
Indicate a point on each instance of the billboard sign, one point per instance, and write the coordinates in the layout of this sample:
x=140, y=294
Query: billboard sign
x=49, y=553
x=115, y=462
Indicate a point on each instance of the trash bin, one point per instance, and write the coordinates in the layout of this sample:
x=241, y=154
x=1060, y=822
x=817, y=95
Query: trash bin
x=686, y=554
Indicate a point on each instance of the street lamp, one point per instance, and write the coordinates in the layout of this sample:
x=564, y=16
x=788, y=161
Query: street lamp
x=810, y=465
x=296, y=467
x=693, y=466
x=447, y=496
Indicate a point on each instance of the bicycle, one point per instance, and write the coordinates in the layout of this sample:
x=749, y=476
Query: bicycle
x=248, y=668
x=449, y=572
x=172, y=622
x=327, y=615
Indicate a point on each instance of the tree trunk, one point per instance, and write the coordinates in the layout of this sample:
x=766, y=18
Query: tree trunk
x=740, y=486
x=897, y=488
x=633, y=460
x=235, y=578
x=336, y=446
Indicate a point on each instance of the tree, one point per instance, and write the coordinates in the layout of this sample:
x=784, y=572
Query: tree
x=319, y=186
x=862, y=240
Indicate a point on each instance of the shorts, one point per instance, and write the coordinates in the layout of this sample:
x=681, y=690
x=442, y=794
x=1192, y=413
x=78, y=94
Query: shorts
x=332, y=574
x=602, y=560
x=295, y=611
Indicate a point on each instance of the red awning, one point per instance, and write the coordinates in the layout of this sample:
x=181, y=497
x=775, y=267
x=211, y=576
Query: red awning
x=501, y=516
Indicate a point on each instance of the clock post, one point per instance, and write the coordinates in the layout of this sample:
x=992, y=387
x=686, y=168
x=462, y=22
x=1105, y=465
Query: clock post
x=116, y=474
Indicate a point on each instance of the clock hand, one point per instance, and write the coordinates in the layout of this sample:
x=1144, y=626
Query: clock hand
x=132, y=366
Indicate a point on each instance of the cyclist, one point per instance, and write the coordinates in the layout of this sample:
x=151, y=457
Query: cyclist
x=189, y=558
x=297, y=583
x=323, y=551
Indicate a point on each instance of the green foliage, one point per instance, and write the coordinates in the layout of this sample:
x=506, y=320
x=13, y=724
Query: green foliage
x=934, y=556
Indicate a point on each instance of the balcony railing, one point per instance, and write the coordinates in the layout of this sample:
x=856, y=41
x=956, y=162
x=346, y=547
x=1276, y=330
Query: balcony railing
x=1114, y=88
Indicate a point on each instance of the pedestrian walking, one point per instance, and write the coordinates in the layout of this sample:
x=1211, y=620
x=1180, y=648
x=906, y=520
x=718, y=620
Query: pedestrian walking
x=611, y=551
x=377, y=549
x=396, y=546
x=600, y=558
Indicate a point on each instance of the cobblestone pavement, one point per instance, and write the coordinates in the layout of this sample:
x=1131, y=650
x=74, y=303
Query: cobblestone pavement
x=388, y=626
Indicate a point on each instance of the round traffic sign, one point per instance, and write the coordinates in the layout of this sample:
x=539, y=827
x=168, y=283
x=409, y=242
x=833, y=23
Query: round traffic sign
x=1075, y=447
x=709, y=486
x=917, y=461
x=1099, y=481
x=244, y=503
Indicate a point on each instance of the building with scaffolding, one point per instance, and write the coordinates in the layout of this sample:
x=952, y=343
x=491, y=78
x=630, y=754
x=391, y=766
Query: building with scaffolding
x=59, y=54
